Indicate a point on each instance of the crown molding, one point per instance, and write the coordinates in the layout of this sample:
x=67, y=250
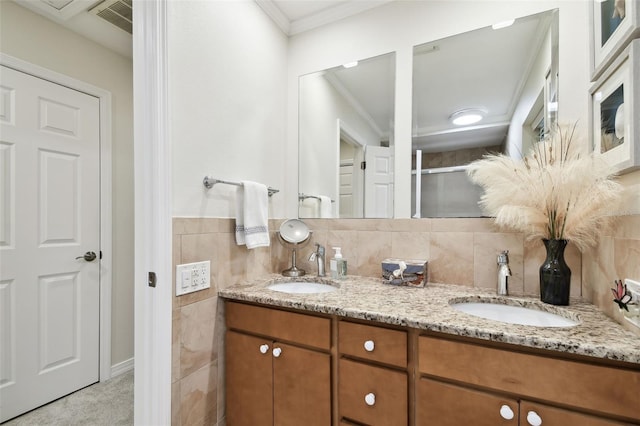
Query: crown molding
x=327, y=16
x=270, y=8
x=324, y=17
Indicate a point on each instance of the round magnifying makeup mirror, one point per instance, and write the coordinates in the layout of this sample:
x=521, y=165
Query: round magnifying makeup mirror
x=294, y=231
x=294, y=234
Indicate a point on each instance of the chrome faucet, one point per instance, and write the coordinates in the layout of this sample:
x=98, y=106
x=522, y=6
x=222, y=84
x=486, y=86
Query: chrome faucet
x=503, y=273
x=318, y=256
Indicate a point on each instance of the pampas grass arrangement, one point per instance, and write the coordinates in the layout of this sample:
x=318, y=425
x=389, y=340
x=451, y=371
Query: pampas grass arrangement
x=552, y=193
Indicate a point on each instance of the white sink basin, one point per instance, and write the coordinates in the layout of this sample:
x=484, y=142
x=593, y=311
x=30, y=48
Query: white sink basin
x=514, y=314
x=302, y=287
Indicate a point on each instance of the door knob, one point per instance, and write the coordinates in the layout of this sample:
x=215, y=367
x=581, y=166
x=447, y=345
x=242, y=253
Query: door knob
x=88, y=256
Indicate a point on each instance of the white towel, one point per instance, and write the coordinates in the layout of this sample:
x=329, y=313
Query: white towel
x=325, y=207
x=252, y=215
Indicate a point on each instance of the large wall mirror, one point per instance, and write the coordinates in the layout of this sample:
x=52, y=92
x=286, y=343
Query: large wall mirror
x=346, y=117
x=489, y=90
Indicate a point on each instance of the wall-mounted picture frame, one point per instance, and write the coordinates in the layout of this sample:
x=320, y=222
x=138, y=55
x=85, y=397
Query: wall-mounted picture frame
x=615, y=108
x=614, y=23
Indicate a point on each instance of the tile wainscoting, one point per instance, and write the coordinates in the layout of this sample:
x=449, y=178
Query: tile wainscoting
x=460, y=251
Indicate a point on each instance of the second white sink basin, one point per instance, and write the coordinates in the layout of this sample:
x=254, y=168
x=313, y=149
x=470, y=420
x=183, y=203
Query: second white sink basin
x=514, y=314
x=302, y=287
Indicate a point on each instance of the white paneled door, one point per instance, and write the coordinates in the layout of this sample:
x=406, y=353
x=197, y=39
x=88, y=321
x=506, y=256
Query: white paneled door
x=378, y=182
x=49, y=233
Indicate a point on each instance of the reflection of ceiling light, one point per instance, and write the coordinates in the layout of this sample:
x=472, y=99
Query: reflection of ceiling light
x=503, y=24
x=464, y=117
x=553, y=106
x=350, y=64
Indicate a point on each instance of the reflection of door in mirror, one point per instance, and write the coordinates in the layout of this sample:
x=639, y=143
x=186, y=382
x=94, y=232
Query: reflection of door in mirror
x=378, y=182
x=351, y=179
x=343, y=113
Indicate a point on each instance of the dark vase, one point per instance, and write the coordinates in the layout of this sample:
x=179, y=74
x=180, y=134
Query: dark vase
x=555, y=275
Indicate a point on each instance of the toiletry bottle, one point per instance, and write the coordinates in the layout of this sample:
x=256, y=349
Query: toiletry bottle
x=338, y=265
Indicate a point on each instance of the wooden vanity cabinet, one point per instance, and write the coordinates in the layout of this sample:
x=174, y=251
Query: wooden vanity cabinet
x=289, y=368
x=372, y=375
x=469, y=383
x=446, y=404
x=278, y=367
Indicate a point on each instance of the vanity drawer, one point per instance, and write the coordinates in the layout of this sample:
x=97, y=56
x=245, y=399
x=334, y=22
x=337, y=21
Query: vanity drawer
x=386, y=389
x=611, y=390
x=303, y=329
x=373, y=343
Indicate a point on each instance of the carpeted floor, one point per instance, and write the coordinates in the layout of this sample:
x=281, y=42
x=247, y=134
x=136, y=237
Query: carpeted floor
x=108, y=403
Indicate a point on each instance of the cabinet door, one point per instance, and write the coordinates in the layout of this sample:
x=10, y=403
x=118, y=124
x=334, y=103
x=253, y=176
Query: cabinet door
x=249, y=380
x=444, y=404
x=531, y=412
x=301, y=387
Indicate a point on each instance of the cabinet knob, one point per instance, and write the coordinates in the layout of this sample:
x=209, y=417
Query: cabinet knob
x=277, y=352
x=369, y=346
x=264, y=348
x=533, y=418
x=370, y=399
x=506, y=412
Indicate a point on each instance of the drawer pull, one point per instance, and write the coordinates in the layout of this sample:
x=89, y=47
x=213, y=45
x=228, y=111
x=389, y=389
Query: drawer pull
x=506, y=412
x=264, y=348
x=277, y=352
x=533, y=418
x=370, y=399
x=369, y=346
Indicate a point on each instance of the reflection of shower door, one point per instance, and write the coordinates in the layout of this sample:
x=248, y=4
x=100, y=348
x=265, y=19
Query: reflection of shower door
x=378, y=182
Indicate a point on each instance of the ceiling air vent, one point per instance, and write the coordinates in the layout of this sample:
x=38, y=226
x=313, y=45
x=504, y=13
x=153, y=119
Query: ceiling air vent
x=116, y=12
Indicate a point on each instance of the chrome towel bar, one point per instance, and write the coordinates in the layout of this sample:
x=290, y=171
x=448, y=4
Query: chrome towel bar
x=208, y=183
x=302, y=197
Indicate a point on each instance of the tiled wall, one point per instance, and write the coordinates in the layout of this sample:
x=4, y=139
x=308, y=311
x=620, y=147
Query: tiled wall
x=454, y=158
x=617, y=256
x=197, y=317
x=461, y=251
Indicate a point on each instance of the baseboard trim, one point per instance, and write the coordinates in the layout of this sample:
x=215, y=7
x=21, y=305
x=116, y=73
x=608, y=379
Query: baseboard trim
x=122, y=367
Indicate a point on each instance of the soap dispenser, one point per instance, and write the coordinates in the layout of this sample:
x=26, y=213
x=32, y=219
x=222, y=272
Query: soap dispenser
x=338, y=265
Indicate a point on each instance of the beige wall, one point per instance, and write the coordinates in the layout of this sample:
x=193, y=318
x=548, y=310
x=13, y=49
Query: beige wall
x=30, y=37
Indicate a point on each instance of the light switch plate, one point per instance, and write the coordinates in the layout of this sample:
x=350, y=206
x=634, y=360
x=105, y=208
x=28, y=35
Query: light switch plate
x=192, y=277
x=633, y=315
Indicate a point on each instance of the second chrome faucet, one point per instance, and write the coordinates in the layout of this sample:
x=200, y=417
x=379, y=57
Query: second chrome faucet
x=318, y=256
x=503, y=273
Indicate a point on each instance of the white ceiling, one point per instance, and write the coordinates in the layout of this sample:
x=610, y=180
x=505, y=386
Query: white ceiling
x=483, y=68
x=292, y=16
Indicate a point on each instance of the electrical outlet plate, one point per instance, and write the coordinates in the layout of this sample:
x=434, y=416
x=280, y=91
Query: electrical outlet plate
x=633, y=315
x=192, y=277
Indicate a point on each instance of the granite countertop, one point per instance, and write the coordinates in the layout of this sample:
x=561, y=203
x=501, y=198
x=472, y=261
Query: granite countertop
x=429, y=308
